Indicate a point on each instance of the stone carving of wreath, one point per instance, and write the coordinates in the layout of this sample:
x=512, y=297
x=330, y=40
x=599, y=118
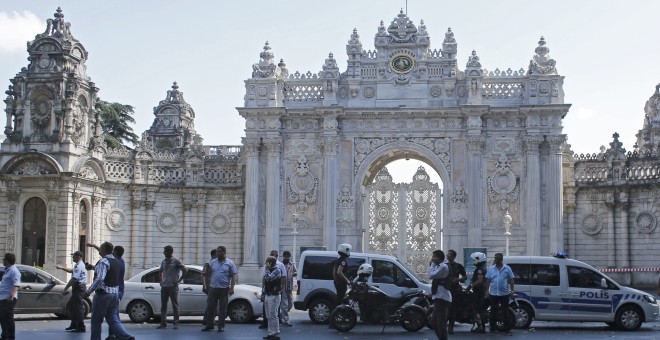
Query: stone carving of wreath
x=220, y=224
x=645, y=222
x=592, y=224
x=167, y=222
x=115, y=219
x=503, y=182
x=436, y=91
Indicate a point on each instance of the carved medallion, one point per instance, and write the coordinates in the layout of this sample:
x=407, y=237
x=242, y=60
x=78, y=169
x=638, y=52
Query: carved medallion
x=645, y=222
x=402, y=63
x=167, y=222
x=115, y=220
x=436, y=91
x=220, y=224
x=592, y=224
x=369, y=92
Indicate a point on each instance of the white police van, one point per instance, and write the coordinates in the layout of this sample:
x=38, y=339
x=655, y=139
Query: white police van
x=316, y=290
x=556, y=288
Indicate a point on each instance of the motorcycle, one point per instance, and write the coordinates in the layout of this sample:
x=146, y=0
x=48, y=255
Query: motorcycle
x=467, y=314
x=378, y=307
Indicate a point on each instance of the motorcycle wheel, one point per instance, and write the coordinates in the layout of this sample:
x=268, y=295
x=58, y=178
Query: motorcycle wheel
x=505, y=326
x=413, y=318
x=343, y=318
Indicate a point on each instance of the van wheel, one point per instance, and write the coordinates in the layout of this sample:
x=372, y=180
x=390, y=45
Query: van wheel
x=319, y=310
x=523, y=316
x=628, y=318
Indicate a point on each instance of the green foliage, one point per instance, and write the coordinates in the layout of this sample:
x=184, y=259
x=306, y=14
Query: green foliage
x=115, y=123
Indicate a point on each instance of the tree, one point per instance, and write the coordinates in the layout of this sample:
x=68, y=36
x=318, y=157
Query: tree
x=115, y=123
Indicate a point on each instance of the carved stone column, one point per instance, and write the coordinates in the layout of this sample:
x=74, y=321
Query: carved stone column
x=251, y=241
x=330, y=145
x=136, y=201
x=571, y=223
x=554, y=185
x=201, y=230
x=186, y=226
x=623, y=234
x=273, y=193
x=533, y=194
x=75, y=225
x=474, y=187
x=610, y=203
x=51, y=230
x=148, y=225
x=12, y=198
x=95, y=229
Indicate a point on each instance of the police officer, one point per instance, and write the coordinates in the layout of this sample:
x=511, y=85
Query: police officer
x=78, y=284
x=477, y=285
x=340, y=271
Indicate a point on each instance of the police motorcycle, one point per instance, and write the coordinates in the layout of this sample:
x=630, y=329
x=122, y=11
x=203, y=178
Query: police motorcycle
x=377, y=307
x=468, y=313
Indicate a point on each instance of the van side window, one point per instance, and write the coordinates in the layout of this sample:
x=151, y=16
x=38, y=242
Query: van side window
x=545, y=275
x=579, y=277
x=388, y=272
x=520, y=273
x=320, y=267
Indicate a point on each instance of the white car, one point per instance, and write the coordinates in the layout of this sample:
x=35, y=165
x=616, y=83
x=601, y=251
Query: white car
x=141, y=299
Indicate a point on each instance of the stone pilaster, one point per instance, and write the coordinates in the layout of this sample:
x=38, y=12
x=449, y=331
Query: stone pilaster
x=12, y=200
x=273, y=193
x=201, y=231
x=610, y=203
x=571, y=222
x=251, y=240
x=533, y=194
x=474, y=187
x=136, y=201
x=623, y=232
x=554, y=184
x=330, y=145
x=186, y=226
x=148, y=226
x=75, y=225
x=97, y=202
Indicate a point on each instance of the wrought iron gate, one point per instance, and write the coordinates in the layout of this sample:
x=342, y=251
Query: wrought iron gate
x=403, y=218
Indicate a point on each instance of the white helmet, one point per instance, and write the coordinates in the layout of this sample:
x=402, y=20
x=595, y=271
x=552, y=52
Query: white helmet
x=478, y=257
x=366, y=269
x=345, y=249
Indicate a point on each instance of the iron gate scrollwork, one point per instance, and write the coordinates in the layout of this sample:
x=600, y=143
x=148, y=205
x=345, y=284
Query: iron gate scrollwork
x=403, y=218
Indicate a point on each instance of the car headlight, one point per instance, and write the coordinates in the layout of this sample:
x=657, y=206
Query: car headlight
x=650, y=299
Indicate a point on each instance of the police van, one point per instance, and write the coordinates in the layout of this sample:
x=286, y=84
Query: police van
x=316, y=290
x=556, y=288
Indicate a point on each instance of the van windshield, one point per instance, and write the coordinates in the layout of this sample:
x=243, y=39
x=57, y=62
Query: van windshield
x=411, y=272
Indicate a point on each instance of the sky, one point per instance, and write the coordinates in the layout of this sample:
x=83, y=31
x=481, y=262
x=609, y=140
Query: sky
x=606, y=50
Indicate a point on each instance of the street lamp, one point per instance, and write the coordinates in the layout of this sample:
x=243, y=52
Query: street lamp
x=294, y=217
x=507, y=229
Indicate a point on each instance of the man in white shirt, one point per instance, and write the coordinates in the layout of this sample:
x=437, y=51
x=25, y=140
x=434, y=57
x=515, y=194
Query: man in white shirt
x=78, y=284
x=441, y=275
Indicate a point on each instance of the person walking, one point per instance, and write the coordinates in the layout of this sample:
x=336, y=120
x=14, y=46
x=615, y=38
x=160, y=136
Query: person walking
x=340, y=271
x=106, y=299
x=440, y=273
x=477, y=285
x=205, y=284
x=223, y=277
x=287, y=293
x=118, y=253
x=11, y=280
x=78, y=284
x=274, y=253
x=171, y=273
x=273, y=290
x=458, y=277
x=499, y=280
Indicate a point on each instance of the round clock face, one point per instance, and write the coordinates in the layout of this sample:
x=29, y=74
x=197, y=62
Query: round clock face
x=402, y=63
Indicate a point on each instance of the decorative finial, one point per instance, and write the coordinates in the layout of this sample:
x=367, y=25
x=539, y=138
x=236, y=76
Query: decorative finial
x=175, y=87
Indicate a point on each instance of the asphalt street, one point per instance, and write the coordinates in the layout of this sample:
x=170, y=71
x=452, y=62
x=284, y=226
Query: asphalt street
x=45, y=327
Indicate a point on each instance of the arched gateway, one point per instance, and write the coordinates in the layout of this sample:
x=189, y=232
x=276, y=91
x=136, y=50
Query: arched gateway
x=315, y=141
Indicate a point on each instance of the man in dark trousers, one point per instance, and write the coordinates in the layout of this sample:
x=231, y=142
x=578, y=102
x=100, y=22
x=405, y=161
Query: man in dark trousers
x=499, y=282
x=439, y=272
x=106, y=297
x=205, y=283
x=170, y=268
x=78, y=284
x=11, y=280
x=458, y=277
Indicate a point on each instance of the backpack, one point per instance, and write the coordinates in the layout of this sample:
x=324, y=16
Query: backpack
x=444, y=282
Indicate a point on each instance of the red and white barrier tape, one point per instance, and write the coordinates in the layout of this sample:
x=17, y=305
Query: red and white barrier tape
x=628, y=270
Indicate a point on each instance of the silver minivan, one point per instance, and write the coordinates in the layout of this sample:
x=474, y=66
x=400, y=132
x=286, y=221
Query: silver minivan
x=556, y=288
x=316, y=291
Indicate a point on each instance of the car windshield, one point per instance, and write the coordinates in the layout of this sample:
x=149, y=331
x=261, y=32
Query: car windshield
x=411, y=272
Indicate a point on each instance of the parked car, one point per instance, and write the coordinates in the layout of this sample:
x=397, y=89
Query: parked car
x=316, y=291
x=41, y=292
x=141, y=299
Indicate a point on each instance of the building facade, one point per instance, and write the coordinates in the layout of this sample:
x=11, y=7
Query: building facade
x=311, y=168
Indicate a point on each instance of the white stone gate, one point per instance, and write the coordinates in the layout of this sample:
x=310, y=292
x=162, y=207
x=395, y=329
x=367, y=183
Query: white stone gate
x=403, y=218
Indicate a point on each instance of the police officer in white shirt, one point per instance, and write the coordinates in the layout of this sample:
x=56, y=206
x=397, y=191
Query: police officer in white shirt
x=78, y=282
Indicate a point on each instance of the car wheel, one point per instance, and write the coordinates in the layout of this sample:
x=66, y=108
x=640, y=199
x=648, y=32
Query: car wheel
x=523, y=316
x=240, y=311
x=628, y=318
x=139, y=311
x=319, y=311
